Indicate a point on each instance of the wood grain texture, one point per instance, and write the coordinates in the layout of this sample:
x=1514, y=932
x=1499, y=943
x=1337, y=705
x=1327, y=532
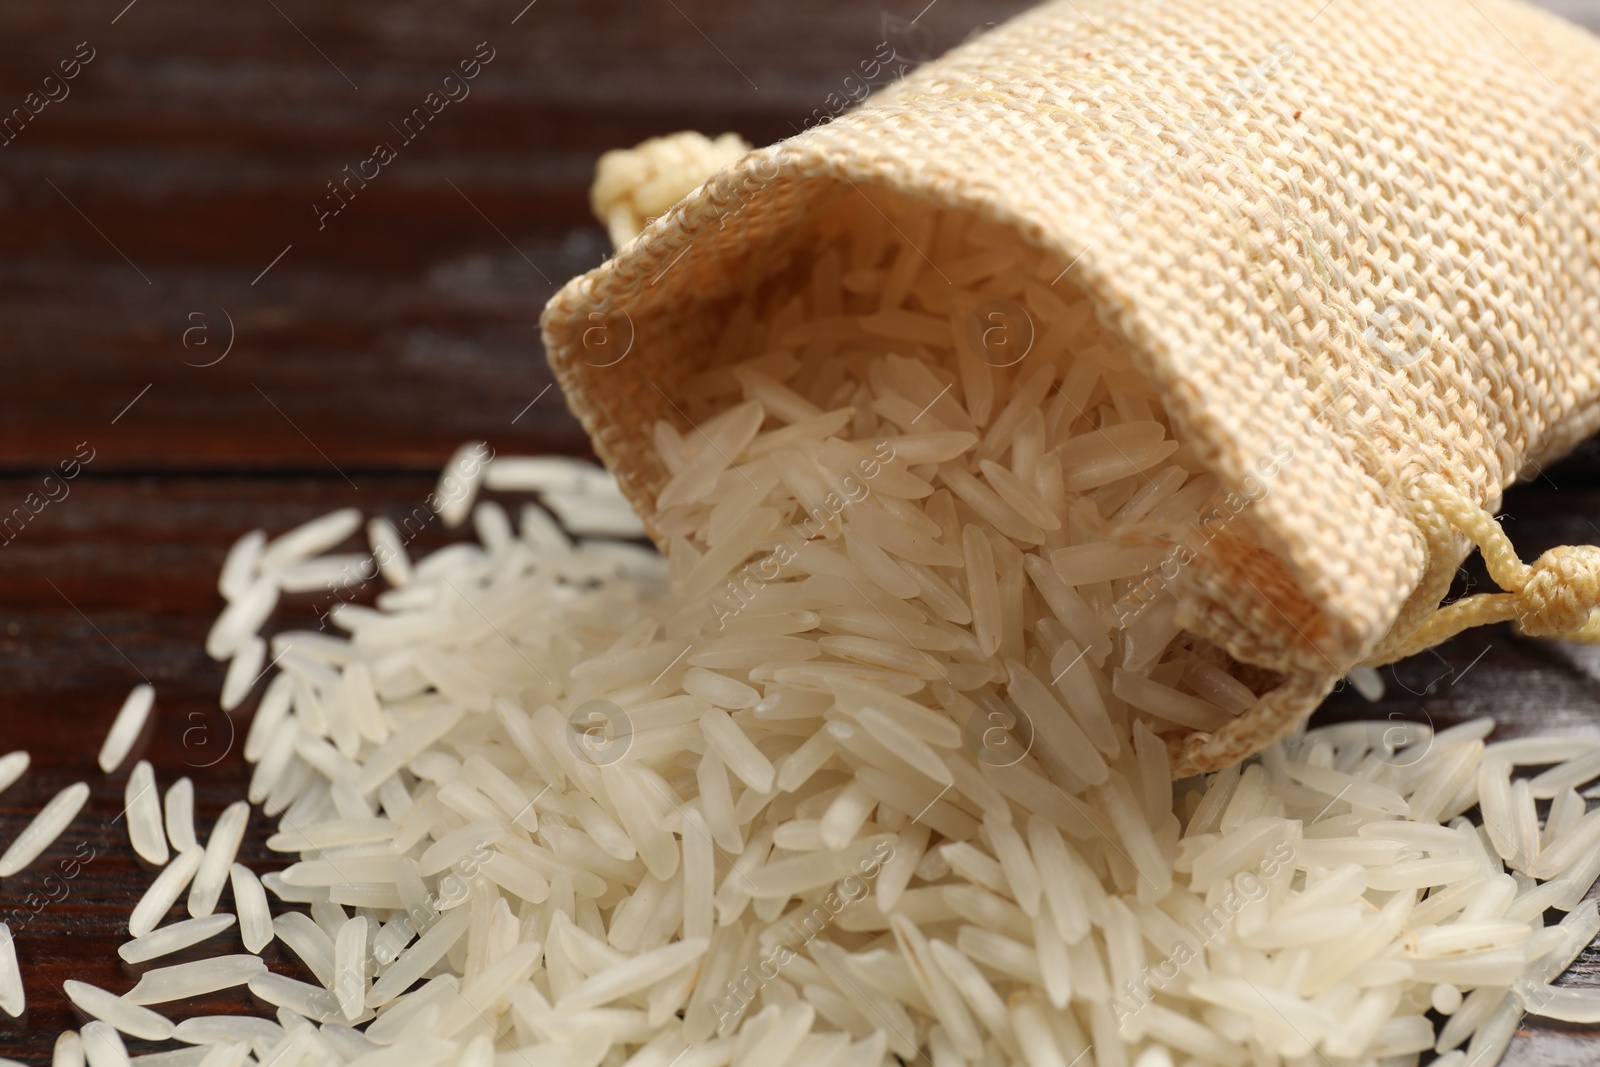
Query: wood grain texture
x=197, y=144
x=188, y=155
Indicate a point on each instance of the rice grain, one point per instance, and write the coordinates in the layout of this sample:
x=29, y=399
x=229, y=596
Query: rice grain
x=13, y=1001
x=170, y=939
x=125, y=1015
x=12, y=767
x=102, y=1047
x=46, y=826
x=183, y=981
x=125, y=729
x=221, y=848
x=142, y=808
x=163, y=892
x=350, y=966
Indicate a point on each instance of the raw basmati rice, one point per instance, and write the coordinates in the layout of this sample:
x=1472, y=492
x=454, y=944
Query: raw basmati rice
x=244, y=669
x=12, y=766
x=255, y=919
x=310, y=538
x=221, y=848
x=181, y=981
x=126, y=1016
x=459, y=481
x=218, y=1029
x=308, y=941
x=350, y=966
x=530, y=474
x=102, y=1046
x=68, y=1050
x=594, y=516
x=179, y=815
x=428, y=950
x=300, y=998
x=170, y=939
x=13, y=1001
x=142, y=808
x=631, y=976
x=1569, y=773
x=46, y=826
x=164, y=892
x=323, y=573
x=125, y=728
x=242, y=618
x=389, y=552
x=240, y=566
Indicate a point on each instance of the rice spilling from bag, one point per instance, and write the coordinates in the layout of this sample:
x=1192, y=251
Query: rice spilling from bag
x=872, y=767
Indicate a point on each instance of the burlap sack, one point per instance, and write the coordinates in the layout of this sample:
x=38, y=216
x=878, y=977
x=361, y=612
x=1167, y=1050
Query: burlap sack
x=1356, y=235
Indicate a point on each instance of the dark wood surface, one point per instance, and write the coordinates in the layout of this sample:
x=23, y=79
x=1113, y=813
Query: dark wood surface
x=156, y=199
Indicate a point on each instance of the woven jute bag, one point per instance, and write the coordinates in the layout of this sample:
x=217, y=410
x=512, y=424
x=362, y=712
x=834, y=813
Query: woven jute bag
x=1358, y=237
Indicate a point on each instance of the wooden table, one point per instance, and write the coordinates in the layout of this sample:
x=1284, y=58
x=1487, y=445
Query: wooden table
x=174, y=303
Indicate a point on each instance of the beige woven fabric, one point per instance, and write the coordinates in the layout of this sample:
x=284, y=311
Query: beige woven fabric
x=1357, y=236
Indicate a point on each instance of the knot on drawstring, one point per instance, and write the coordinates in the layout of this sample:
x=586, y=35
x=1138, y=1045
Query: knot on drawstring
x=1562, y=590
x=1554, y=597
x=634, y=185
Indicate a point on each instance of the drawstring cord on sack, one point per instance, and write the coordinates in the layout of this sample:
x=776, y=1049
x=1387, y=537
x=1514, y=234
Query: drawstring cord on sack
x=1555, y=596
x=634, y=185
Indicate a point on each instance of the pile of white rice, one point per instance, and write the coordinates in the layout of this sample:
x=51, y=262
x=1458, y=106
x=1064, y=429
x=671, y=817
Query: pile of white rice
x=871, y=769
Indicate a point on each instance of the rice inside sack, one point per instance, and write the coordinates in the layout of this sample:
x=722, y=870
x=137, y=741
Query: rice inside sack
x=933, y=438
x=912, y=420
